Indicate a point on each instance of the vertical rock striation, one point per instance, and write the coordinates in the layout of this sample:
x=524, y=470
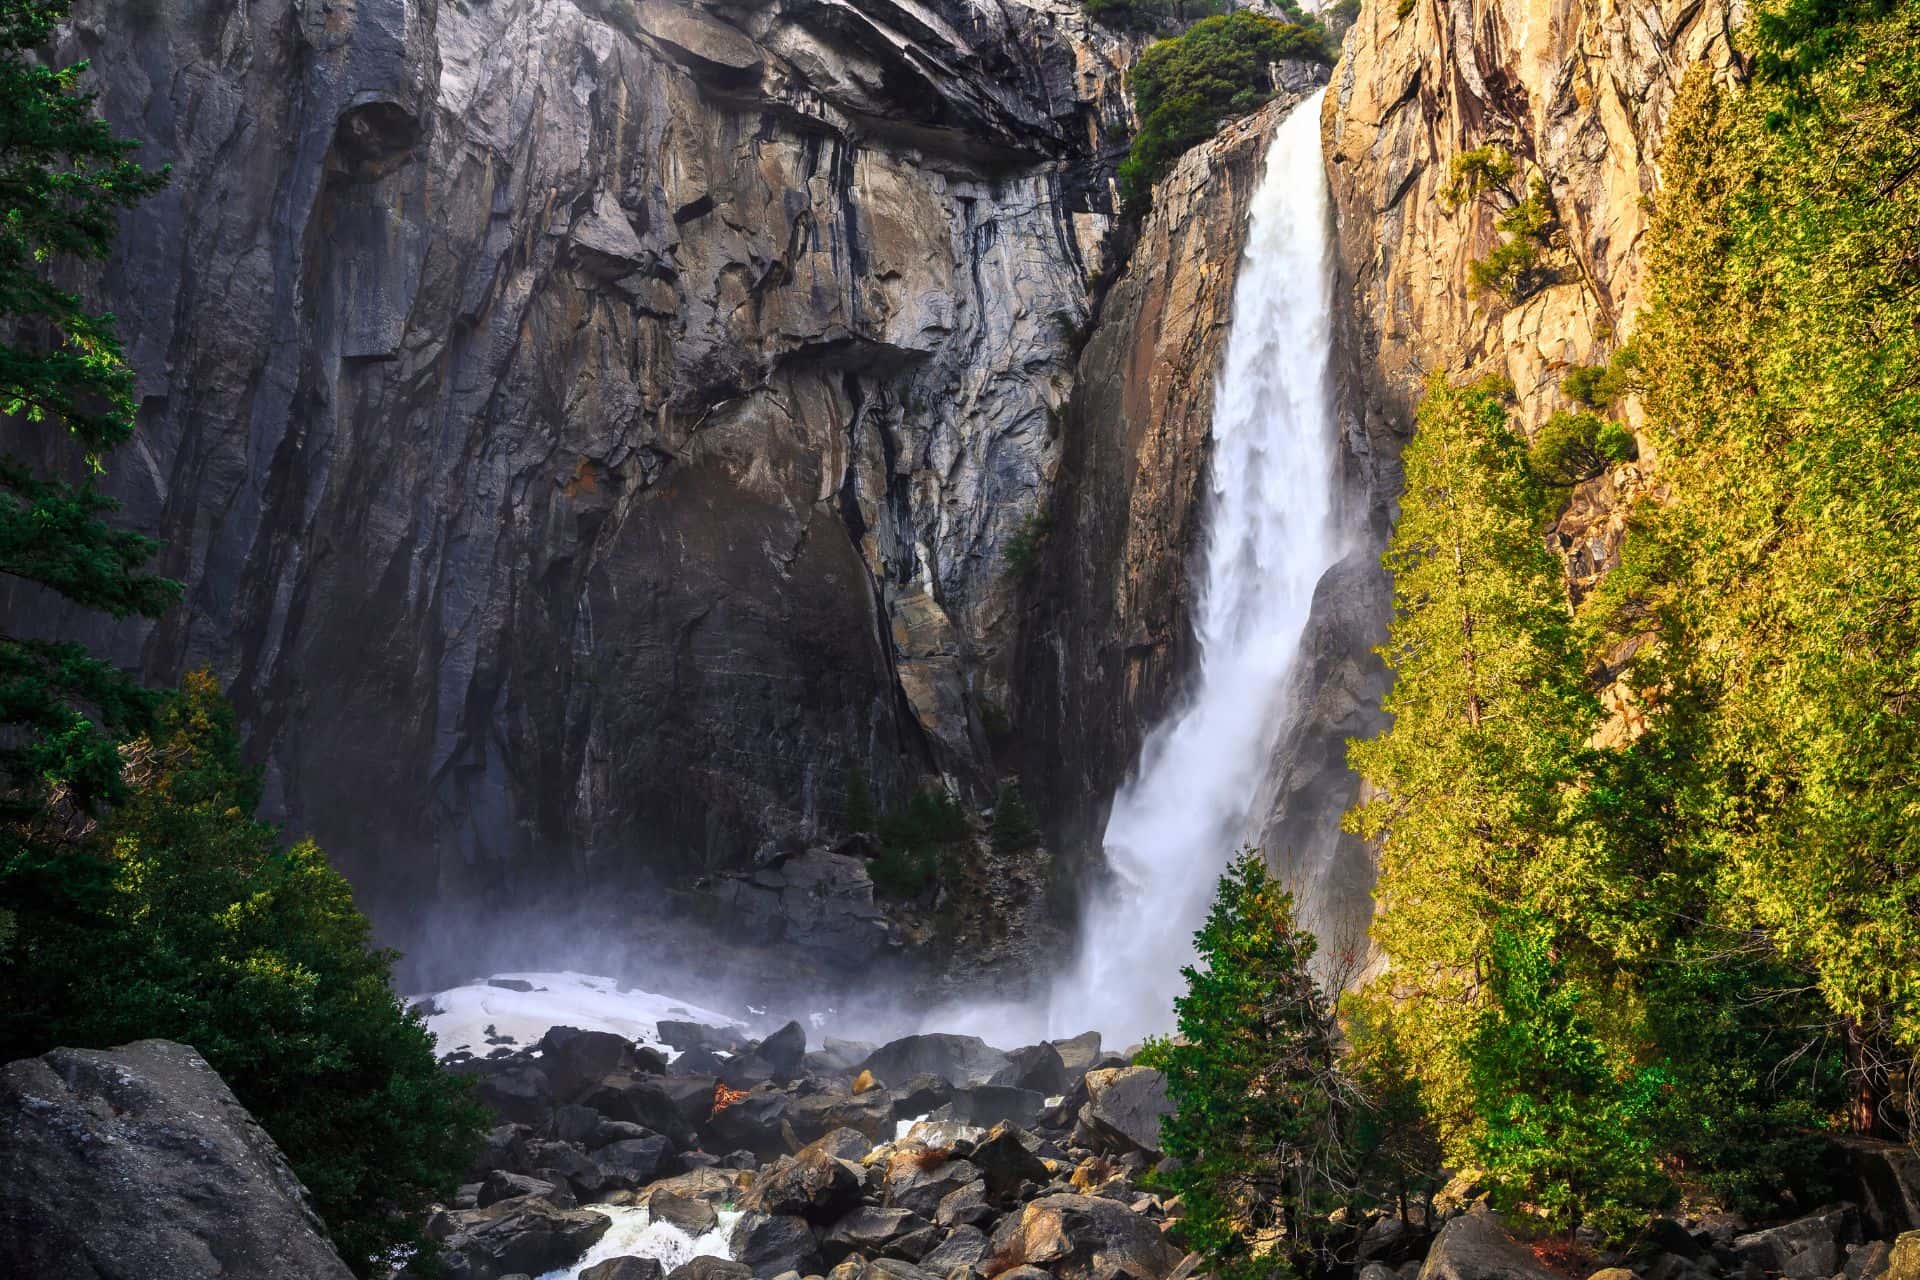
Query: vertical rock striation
x=586, y=427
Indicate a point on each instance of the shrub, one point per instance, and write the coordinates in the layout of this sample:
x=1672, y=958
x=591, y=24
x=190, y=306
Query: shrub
x=1481, y=170
x=1148, y=15
x=1258, y=1137
x=211, y=933
x=1185, y=88
x=1024, y=547
x=1014, y=830
x=911, y=840
x=1514, y=269
x=1574, y=447
x=1600, y=386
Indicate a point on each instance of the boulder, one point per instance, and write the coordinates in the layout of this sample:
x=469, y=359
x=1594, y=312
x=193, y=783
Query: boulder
x=504, y=1147
x=561, y=1162
x=843, y=1144
x=634, y=1162
x=1392, y=1239
x=869, y=1230
x=1078, y=1055
x=573, y=1059
x=756, y=1123
x=139, y=1161
x=748, y=1071
x=699, y=1062
x=712, y=1186
x=1038, y=1068
x=1475, y=1246
x=525, y=1236
x=1123, y=1111
x=1377, y=1271
x=517, y=1095
x=694, y=1035
x=966, y=1206
x=869, y=1113
x=686, y=1213
x=1903, y=1261
x=1083, y=1237
x=812, y=1185
x=963, y=1246
x=990, y=1104
x=841, y=1055
x=501, y=1185
x=574, y=1123
x=1806, y=1247
x=1884, y=1179
x=673, y=1105
x=1868, y=1262
x=784, y=1049
x=608, y=1132
x=920, y=1095
x=919, y=1178
x=1005, y=1159
x=628, y=1268
x=959, y=1060
x=708, y=1268
x=770, y=1243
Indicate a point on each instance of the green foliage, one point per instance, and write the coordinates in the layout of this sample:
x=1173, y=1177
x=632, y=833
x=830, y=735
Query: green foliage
x=1516, y=267
x=860, y=812
x=1601, y=386
x=1186, y=88
x=1781, y=377
x=1261, y=1107
x=1014, y=830
x=206, y=930
x=64, y=178
x=1566, y=1126
x=1025, y=546
x=1483, y=169
x=1572, y=447
x=1149, y=15
x=912, y=840
x=1342, y=14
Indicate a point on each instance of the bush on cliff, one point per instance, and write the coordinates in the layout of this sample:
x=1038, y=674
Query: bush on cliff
x=1186, y=88
x=207, y=930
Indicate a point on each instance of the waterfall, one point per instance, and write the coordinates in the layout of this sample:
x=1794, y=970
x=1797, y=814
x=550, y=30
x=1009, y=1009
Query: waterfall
x=1187, y=808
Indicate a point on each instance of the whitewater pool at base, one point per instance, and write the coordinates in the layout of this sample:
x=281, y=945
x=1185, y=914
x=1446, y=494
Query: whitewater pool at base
x=461, y=1015
x=635, y=1234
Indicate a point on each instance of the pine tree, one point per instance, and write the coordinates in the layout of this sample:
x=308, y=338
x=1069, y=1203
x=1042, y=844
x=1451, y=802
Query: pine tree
x=64, y=178
x=1259, y=1131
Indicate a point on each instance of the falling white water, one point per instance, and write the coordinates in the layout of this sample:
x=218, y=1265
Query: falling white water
x=1270, y=537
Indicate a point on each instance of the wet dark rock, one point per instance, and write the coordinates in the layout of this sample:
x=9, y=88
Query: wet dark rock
x=987, y=1105
x=844, y=1144
x=784, y=1049
x=1123, y=1111
x=918, y=1179
x=1078, y=1055
x=920, y=1095
x=812, y=1185
x=768, y=1244
x=628, y=1268
x=959, y=1060
x=1883, y=1178
x=659, y=1103
x=521, y=1094
x=747, y=1071
x=501, y=1185
x=574, y=1059
x=1006, y=1160
x=635, y=1162
x=510, y=984
x=1038, y=1068
x=608, y=1132
x=870, y=1114
x=503, y=1147
x=1391, y=1240
x=963, y=1246
x=574, y=1123
x=694, y=1216
x=966, y=1206
x=1083, y=1238
x=706, y=1268
x=756, y=1123
x=527, y=1236
x=694, y=1035
x=139, y=1162
x=869, y=1230
x=711, y=1186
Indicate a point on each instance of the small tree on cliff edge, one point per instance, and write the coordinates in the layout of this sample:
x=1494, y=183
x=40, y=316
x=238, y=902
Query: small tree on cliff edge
x=1262, y=1109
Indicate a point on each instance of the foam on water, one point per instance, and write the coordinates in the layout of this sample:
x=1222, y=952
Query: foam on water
x=634, y=1234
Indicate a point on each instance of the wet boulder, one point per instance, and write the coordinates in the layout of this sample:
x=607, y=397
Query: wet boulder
x=685, y=1213
x=1084, y=1237
x=844, y=1144
x=526, y=1236
x=695, y=1035
x=503, y=1147
x=519, y=1094
x=756, y=1123
x=988, y=1104
x=784, y=1049
x=1006, y=1160
x=869, y=1113
x=1123, y=1111
x=964, y=1246
x=1038, y=1068
x=959, y=1060
x=710, y=1268
x=635, y=1162
x=966, y=1206
x=574, y=1059
x=812, y=1185
x=919, y=1178
x=869, y=1230
x=1078, y=1055
x=657, y=1103
x=920, y=1095
x=627, y=1268
x=768, y=1244
x=1812, y=1246
x=501, y=1185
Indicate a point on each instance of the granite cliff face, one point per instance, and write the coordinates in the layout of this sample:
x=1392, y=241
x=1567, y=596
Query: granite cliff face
x=587, y=428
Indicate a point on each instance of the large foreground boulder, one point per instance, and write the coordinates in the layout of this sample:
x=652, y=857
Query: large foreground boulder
x=1476, y=1247
x=1123, y=1111
x=1082, y=1237
x=516, y=1237
x=139, y=1161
